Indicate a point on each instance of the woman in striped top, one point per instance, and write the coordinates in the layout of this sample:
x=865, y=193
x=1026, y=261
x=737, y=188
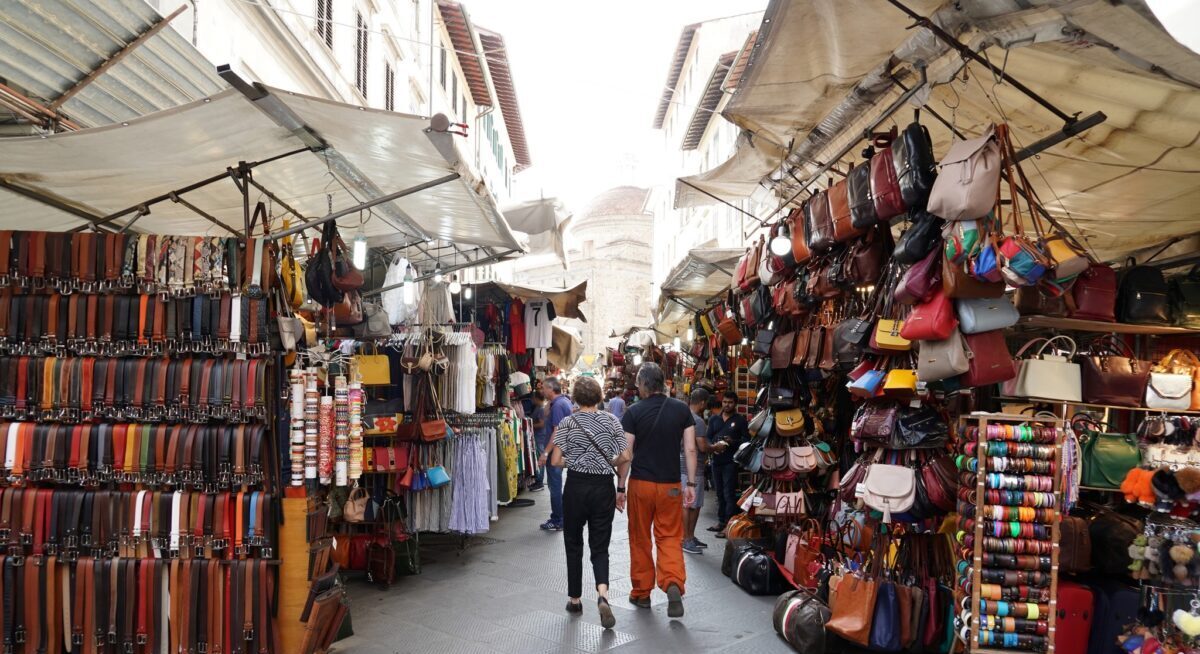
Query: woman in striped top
x=589, y=443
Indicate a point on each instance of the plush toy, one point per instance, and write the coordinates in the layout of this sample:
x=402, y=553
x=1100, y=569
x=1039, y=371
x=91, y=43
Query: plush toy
x=1187, y=622
x=1188, y=479
x=1166, y=488
x=1154, y=556
x=1143, y=488
x=1137, y=552
x=1182, y=554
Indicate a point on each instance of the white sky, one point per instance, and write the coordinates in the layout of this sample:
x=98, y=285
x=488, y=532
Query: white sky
x=589, y=76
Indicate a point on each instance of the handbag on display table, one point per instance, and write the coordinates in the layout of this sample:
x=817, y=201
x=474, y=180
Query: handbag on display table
x=1111, y=374
x=1047, y=376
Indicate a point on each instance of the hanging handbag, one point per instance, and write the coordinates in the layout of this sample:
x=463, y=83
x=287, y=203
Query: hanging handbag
x=344, y=276
x=839, y=212
x=374, y=324
x=931, y=321
x=885, y=624
x=373, y=369
x=798, y=228
x=868, y=385
x=762, y=369
x=969, y=180
x=1033, y=301
x=852, y=608
x=349, y=311
x=991, y=362
x=802, y=458
x=1049, y=376
x=922, y=237
x=1143, y=297
x=874, y=422
x=290, y=273
x=986, y=314
x=885, y=190
x=886, y=336
x=900, y=384
x=764, y=339
x=938, y=360
x=781, y=350
x=820, y=222
x=958, y=283
x=921, y=280
x=746, y=273
x=889, y=489
x=1067, y=258
x=355, y=509
x=1185, y=294
x=790, y=423
x=912, y=155
x=866, y=257
x=1112, y=376
x=318, y=275
x=848, y=338
x=858, y=192
x=1183, y=362
x=1108, y=458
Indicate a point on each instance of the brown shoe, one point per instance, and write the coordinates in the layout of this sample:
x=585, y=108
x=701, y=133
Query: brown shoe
x=640, y=602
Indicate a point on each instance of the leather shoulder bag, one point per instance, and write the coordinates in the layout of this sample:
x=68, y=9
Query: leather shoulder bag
x=858, y=192
x=885, y=191
x=1143, y=297
x=1111, y=375
x=820, y=222
x=969, y=180
x=915, y=166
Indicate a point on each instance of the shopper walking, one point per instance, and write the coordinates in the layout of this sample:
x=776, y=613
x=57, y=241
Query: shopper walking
x=557, y=409
x=588, y=444
x=615, y=404
x=541, y=436
x=728, y=429
x=656, y=428
x=698, y=402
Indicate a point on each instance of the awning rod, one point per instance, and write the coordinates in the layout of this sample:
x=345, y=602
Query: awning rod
x=721, y=200
x=466, y=264
x=365, y=205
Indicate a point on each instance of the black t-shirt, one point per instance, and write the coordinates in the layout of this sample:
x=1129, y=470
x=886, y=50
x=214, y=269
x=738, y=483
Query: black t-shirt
x=732, y=430
x=656, y=453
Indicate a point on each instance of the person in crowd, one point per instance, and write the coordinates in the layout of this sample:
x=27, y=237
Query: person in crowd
x=559, y=407
x=588, y=443
x=713, y=408
x=729, y=430
x=615, y=405
x=656, y=428
x=697, y=401
x=541, y=436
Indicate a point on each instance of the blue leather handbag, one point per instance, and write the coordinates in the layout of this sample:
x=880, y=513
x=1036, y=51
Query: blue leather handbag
x=885, y=624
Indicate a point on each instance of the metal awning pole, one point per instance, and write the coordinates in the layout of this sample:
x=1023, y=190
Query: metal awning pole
x=204, y=214
x=466, y=264
x=365, y=205
x=721, y=200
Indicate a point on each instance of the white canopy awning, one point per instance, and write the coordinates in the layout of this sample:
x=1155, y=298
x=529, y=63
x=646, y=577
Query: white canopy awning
x=703, y=274
x=328, y=156
x=1126, y=184
x=566, y=345
x=545, y=221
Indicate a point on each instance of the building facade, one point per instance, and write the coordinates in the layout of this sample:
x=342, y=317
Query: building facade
x=421, y=57
x=703, y=73
x=607, y=247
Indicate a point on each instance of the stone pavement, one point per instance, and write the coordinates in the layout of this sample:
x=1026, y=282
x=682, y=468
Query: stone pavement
x=505, y=592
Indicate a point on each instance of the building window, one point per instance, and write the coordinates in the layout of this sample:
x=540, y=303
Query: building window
x=325, y=21
x=360, y=53
x=453, y=92
x=464, y=108
x=389, y=87
x=443, y=67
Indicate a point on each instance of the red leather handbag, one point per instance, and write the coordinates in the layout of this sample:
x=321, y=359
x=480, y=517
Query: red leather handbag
x=991, y=362
x=839, y=210
x=885, y=190
x=934, y=320
x=1095, y=294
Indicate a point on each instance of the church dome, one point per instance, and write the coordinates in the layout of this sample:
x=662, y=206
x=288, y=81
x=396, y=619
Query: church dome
x=619, y=201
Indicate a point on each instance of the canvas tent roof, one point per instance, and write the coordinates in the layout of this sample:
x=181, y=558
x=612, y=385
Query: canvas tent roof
x=337, y=156
x=702, y=274
x=1125, y=184
x=566, y=300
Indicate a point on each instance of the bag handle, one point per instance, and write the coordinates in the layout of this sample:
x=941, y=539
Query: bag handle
x=1055, y=338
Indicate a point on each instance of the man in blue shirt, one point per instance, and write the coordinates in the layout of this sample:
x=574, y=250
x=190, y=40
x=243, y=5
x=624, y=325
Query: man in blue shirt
x=616, y=405
x=558, y=409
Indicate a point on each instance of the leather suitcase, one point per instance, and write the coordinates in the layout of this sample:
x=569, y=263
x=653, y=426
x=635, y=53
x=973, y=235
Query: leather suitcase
x=1075, y=611
x=1116, y=605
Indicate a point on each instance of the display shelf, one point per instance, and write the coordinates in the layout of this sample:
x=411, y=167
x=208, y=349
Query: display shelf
x=1102, y=490
x=1101, y=327
x=1107, y=407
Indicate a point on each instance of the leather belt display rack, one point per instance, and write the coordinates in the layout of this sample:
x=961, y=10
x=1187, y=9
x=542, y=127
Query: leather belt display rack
x=70, y=389
x=39, y=322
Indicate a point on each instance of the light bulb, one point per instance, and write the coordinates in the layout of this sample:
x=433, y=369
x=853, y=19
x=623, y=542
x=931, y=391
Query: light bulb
x=678, y=345
x=410, y=290
x=781, y=245
x=745, y=341
x=455, y=287
x=637, y=359
x=437, y=275
x=691, y=334
x=467, y=293
x=360, y=251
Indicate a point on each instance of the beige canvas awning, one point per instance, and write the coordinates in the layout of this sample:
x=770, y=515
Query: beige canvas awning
x=566, y=301
x=566, y=345
x=703, y=274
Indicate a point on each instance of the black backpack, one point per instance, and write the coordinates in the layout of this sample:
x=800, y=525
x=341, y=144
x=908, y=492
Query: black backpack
x=1143, y=297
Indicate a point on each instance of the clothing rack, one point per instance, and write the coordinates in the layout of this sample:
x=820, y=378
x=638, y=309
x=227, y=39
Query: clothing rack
x=475, y=420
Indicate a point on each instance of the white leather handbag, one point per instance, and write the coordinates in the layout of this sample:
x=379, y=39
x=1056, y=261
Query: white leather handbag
x=890, y=489
x=1169, y=391
x=944, y=359
x=965, y=188
x=802, y=458
x=977, y=315
x=1049, y=375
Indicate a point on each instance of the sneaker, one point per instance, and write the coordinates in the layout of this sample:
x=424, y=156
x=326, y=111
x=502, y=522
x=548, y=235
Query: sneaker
x=640, y=602
x=674, y=602
x=607, y=619
x=550, y=525
x=699, y=542
x=692, y=546
x=537, y=487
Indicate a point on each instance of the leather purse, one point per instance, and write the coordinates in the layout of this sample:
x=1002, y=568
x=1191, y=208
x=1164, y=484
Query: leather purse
x=885, y=624
x=781, y=350
x=991, y=362
x=852, y=606
x=1185, y=293
x=921, y=280
x=922, y=237
x=1143, y=297
x=1032, y=301
x=839, y=212
x=790, y=423
x=938, y=360
x=874, y=422
x=746, y=273
x=373, y=369
x=958, y=283
x=355, y=509
x=1112, y=376
x=346, y=277
x=799, y=234
x=1075, y=545
x=931, y=321
x=799, y=618
x=391, y=458
x=866, y=386
x=866, y=257
x=800, y=351
x=349, y=311
x=1183, y=362
x=820, y=223
x=1169, y=391
x=912, y=155
x=764, y=339
x=858, y=192
x=1048, y=376
x=1067, y=259
x=1107, y=458
x=729, y=331
x=986, y=314
x=970, y=179
x=900, y=383
x=802, y=458
x=886, y=336
x=885, y=190
x=849, y=337
x=889, y=489
x=774, y=458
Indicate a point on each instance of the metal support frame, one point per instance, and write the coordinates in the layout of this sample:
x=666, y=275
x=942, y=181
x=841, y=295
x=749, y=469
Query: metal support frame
x=204, y=214
x=721, y=200
x=24, y=105
x=115, y=58
x=50, y=201
x=454, y=268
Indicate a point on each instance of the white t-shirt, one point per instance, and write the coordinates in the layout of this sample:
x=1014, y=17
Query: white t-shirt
x=538, y=333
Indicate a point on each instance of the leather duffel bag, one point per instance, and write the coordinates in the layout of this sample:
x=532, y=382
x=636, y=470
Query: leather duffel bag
x=755, y=572
x=799, y=618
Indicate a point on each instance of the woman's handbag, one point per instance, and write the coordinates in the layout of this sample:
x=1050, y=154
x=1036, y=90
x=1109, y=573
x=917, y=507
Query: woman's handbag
x=867, y=385
x=866, y=256
x=885, y=624
x=885, y=190
x=799, y=231
x=921, y=238
x=1143, y=297
x=986, y=314
x=1032, y=301
x=1095, y=294
x=969, y=180
x=931, y=321
x=802, y=458
x=1169, y=391
x=853, y=606
x=345, y=276
x=858, y=191
x=874, y=422
x=900, y=384
x=839, y=210
x=800, y=618
x=938, y=360
x=912, y=155
x=1067, y=259
x=373, y=369
x=774, y=458
x=958, y=283
x=1048, y=376
x=755, y=572
x=1185, y=294
x=920, y=428
x=991, y=362
x=349, y=311
x=1112, y=376
x=1183, y=362
x=355, y=509
x=820, y=223
x=1108, y=458
x=886, y=336
x=921, y=280
x=890, y=489
x=790, y=423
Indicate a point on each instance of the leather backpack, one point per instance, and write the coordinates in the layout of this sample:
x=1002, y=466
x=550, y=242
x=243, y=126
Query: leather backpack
x=912, y=156
x=858, y=192
x=1075, y=545
x=885, y=190
x=839, y=210
x=1144, y=297
x=1095, y=294
x=820, y=223
x=921, y=238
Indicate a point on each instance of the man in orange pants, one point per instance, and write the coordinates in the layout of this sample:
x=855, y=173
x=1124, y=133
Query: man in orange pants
x=656, y=429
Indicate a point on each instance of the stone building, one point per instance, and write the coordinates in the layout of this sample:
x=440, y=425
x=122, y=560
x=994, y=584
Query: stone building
x=609, y=245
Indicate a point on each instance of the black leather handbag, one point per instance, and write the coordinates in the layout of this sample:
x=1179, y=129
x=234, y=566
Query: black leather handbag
x=755, y=572
x=920, y=238
x=862, y=207
x=920, y=428
x=762, y=342
x=912, y=158
x=1185, y=299
x=1143, y=297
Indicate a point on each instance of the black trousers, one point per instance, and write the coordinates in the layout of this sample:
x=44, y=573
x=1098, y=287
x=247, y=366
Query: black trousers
x=591, y=500
x=724, y=480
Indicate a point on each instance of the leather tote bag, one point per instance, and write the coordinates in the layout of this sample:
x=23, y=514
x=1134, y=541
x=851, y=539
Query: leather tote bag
x=852, y=608
x=1112, y=376
x=986, y=314
x=885, y=190
x=958, y=283
x=1050, y=376
x=1144, y=297
x=912, y=155
x=889, y=489
x=991, y=362
x=839, y=211
x=921, y=280
x=969, y=180
x=1185, y=293
x=1108, y=458
x=885, y=624
x=931, y=321
x=781, y=350
x=921, y=238
x=799, y=618
x=820, y=223
x=858, y=191
x=1032, y=301
x=1095, y=294
x=943, y=359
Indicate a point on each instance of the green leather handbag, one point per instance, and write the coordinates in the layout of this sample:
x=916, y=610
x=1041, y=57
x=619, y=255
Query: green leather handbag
x=1108, y=458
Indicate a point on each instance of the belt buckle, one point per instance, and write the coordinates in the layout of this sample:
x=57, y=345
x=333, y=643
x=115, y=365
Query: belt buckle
x=19, y=636
x=50, y=549
x=77, y=638
x=268, y=552
x=248, y=634
x=17, y=556
x=202, y=648
x=39, y=282
x=141, y=640
x=173, y=553
x=74, y=475
x=26, y=539
x=70, y=556
x=112, y=638
x=4, y=534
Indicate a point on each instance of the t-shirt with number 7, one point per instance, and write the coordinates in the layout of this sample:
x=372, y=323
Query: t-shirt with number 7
x=537, y=324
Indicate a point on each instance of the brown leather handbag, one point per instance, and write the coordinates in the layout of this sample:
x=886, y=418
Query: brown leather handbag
x=885, y=189
x=958, y=283
x=1111, y=375
x=800, y=351
x=798, y=229
x=820, y=223
x=867, y=255
x=1075, y=554
x=839, y=210
x=350, y=310
x=1031, y=301
x=782, y=350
